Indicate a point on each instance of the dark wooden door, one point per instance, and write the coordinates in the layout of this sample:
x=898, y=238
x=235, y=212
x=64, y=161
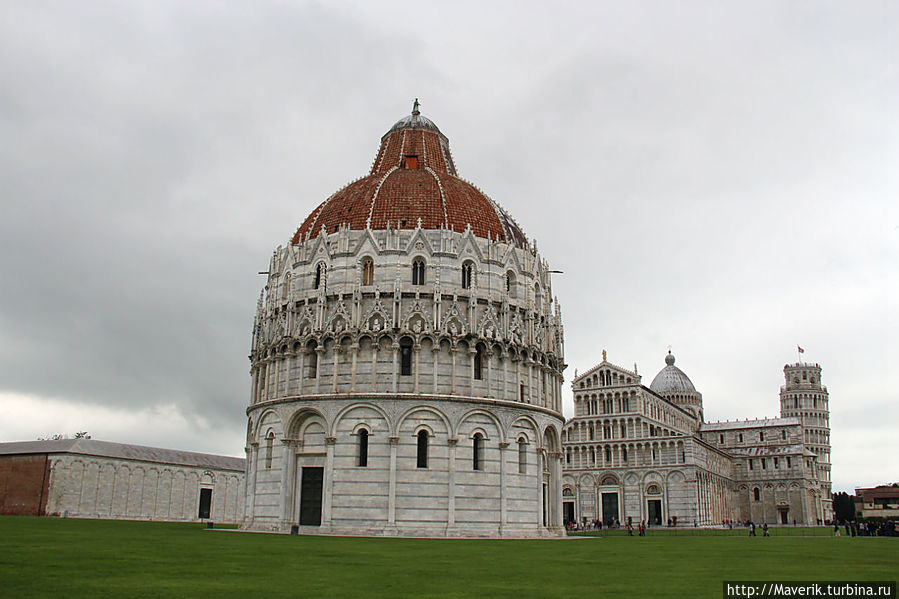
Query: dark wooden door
x=655, y=512
x=311, y=496
x=205, y=503
x=609, y=508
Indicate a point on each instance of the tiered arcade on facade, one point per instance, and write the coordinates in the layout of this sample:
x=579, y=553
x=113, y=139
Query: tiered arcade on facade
x=804, y=397
x=407, y=362
x=645, y=454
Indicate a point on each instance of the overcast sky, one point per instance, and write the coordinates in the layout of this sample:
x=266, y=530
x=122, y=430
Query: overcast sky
x=715, y=176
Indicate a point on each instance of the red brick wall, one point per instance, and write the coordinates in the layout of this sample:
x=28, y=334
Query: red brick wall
x=23, y=485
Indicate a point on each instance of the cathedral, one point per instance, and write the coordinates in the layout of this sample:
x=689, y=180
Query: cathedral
x=407, y=362
x=646, y=454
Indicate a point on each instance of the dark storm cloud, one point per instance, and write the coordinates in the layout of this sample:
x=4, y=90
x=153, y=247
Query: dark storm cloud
x=141, y=188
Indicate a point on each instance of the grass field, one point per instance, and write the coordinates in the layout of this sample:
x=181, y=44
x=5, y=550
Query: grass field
x=46, y=557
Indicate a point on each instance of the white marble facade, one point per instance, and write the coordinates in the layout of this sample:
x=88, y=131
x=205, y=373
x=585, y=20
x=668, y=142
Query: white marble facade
x=467, y=350
x=646, y=454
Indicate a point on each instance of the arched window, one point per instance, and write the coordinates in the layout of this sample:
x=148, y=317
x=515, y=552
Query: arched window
x=269, y=445
x=368, y=271
x=522, y=455
x=405, y=357
x=783, y=435
x=510, y=284
x=479, y=362
x=418, y=272
x=756, y=494
x=363, y=448
x=312, y=360
x=422, y=461
x=285, y=290
x=477, y=445
x=466, y=275
x=319, y=275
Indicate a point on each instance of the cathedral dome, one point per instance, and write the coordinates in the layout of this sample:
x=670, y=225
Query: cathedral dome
x=413, y=181
x=671, y=379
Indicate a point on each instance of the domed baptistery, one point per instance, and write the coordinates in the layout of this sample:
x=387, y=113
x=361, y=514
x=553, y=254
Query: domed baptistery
x=407, y=362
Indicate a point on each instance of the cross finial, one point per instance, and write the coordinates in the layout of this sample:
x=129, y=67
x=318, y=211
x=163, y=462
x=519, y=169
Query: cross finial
x=415, y=109
x=669, y=349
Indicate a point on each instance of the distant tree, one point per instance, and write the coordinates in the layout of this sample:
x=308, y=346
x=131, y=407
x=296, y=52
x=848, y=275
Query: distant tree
x=61, y=436
x=844, y=506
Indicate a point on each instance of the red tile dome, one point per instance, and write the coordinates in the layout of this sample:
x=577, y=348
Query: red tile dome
x=413, y=177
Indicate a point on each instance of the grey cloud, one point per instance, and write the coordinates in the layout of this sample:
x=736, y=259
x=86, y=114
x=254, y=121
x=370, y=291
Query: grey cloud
x=713, y=176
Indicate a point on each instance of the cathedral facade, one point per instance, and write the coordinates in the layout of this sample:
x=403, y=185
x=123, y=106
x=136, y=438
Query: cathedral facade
x=407, y=362
x=646, y=454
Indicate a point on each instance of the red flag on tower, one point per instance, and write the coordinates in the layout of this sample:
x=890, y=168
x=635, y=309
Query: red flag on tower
x=801, y=351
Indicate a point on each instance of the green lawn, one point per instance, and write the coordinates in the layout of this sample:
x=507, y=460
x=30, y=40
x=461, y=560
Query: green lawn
x=46, y=557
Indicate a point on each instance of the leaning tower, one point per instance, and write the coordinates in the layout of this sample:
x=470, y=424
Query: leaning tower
x=804, y=396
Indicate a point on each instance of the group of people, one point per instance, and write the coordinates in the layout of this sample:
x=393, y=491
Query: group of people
x=751, y=525
x=866, y=529
x=592, y=525
x=641, y=528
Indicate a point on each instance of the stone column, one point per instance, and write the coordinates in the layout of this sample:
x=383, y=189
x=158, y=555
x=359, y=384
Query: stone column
x=517, y=389
x=319, y=352
x=505, y=373
x=288, y=476
x=252, y=467
x=287, y=363
x=396, y=355
x=277, y=376
x=453, y=352
x=577, y=501
x=355, y=349
x=302, y=375
x=328, y=482
x=472, y=351
x=375, y=349
x=338, y=349
x=503, y=492
x=555, y=489
x=451, y=483
x=541, y=466
x=488, y=376
x=391, y=487
x=416, y=349
x=533, y=392
x=435, y=352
